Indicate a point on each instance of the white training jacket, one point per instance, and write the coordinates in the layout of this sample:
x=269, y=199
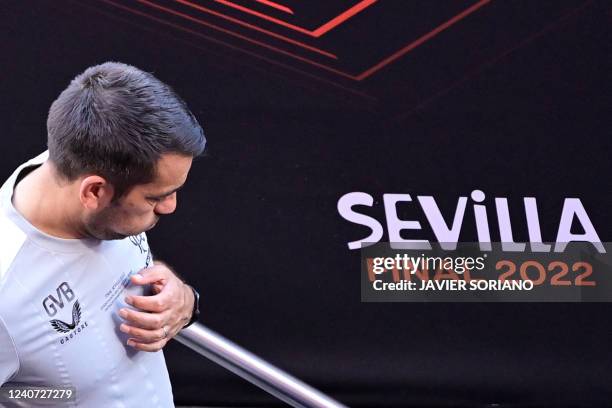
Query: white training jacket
x=59, y=325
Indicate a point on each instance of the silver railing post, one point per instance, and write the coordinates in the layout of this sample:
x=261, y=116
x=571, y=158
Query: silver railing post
x=253, y=369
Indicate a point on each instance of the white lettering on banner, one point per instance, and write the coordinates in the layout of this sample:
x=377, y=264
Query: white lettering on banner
x=448, y=237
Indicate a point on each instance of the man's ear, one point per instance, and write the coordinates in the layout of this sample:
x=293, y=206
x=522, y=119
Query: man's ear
x=95, y=192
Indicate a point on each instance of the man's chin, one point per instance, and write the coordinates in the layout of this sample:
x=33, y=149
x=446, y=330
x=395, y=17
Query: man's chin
x=150, y=227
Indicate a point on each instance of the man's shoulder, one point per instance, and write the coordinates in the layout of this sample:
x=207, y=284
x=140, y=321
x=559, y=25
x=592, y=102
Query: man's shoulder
x=12, y=237
x=12, y=240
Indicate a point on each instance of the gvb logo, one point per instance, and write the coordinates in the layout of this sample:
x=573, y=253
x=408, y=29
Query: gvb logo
x=55, y=302
x=62, y=293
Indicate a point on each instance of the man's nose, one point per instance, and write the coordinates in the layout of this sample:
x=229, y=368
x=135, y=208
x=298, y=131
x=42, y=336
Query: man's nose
x=167, y=205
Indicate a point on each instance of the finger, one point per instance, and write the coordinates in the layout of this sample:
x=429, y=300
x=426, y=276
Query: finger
x=151, y=347
x=155, y=303
x=143, y=335
x=144, y=320
x=157, y=273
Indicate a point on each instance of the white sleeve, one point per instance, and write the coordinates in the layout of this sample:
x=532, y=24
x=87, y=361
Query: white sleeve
x=9, y=361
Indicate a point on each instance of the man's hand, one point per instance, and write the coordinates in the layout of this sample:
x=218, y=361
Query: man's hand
x=161, y=315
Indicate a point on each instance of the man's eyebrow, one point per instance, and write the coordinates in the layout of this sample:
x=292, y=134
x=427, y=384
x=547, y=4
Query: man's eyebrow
x=167, y=193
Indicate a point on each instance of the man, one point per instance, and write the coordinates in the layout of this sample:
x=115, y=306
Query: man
x=82, y=304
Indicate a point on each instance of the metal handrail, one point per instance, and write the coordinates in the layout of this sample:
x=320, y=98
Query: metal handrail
x=253, y=369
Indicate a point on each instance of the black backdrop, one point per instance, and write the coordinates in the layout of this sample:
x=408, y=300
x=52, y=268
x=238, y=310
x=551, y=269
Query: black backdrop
x=514, y=99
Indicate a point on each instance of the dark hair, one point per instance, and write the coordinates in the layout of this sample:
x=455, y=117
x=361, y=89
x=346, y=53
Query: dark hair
x=116, y=121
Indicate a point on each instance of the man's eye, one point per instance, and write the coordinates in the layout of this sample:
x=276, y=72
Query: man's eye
x=154, y=199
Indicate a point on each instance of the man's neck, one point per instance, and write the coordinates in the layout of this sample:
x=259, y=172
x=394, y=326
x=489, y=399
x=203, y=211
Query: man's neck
x=41, y=201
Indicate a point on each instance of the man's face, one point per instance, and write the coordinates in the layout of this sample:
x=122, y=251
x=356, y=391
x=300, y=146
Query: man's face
x=140, y=209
